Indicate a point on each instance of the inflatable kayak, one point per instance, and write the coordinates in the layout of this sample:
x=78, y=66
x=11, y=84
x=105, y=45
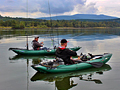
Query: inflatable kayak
x=59, y=67
x=59, y=76
x=65, y=81
x=38, y=52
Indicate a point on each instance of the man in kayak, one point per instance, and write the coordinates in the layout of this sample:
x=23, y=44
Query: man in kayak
x=38, y=46
x=65, y=53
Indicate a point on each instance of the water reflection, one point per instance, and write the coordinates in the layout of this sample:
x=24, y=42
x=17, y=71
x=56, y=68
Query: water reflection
x=14, y=72
x=17, y=57
x=35, y=59
x=63, y=81
x=71, y=32
x=97, y=81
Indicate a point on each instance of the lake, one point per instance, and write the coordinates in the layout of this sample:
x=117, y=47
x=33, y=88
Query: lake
x=16, y=72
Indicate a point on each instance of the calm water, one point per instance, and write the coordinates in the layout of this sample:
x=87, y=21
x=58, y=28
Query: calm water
x=16, y=72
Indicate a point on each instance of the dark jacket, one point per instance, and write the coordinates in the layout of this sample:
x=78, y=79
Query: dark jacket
x=65, y=54
x=36, y=45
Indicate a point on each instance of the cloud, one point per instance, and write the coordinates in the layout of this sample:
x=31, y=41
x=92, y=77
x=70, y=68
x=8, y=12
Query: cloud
x=40, y=8
x=85, y=9
x=107, y=7
x=56, y=6
x=61, y=6
x=12, y=6
x=112, y=11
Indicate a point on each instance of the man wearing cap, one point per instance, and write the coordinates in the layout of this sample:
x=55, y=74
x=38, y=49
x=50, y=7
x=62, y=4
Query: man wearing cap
x=65, y=53
x=37, y=45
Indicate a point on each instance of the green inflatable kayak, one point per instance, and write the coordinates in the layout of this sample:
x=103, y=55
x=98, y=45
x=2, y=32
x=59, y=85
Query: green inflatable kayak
x=50, y=77
x=66, y=81
x=38, y=52
x=59, y=67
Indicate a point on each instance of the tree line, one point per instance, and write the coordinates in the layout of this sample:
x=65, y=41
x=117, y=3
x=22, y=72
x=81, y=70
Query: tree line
x=19, y=24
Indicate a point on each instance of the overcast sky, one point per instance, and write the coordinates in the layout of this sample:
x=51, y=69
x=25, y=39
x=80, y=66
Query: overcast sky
x=40, y=8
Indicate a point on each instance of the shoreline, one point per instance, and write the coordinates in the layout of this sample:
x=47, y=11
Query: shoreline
x=9, y=28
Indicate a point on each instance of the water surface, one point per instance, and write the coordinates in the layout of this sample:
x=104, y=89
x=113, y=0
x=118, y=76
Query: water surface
x=16, y=72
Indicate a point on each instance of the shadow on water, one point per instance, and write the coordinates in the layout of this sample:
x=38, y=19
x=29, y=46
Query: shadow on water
x=63, y=80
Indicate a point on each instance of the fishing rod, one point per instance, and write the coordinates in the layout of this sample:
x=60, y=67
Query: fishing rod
x=52, y=39
x=26, y=33
x=78, y=35
x=58, y=38
x=27, y=43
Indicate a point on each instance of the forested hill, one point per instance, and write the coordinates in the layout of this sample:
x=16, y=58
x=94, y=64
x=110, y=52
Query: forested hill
x=107, y=20
x=114, y=19
x=21, y=23
x=6, y=18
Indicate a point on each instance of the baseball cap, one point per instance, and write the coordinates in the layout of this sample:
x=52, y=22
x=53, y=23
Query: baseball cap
x=64, y=41
x=36, y=37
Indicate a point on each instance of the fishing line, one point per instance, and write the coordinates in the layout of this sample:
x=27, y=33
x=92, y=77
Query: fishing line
x=26, y=32
x=27, y=8
x=52, y=39
x=77, y=35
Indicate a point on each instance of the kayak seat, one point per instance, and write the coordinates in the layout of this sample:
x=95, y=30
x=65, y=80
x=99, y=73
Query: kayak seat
x=89, y=57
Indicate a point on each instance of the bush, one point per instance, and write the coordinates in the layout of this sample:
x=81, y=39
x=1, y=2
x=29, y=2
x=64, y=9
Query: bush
x=18, y=27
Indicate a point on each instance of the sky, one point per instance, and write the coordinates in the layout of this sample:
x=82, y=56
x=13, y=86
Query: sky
x=45, y=8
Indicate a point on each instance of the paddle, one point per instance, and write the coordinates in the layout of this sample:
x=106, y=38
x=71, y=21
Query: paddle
x=95, y=64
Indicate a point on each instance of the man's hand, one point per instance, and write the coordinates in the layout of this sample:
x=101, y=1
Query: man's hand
x=79, y=57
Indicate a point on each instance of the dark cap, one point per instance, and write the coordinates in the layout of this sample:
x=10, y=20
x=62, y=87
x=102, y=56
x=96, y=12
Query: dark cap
x=36, y=37
x=64, y=41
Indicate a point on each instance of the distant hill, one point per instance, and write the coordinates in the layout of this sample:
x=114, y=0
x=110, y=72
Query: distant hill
x=106, y=21
x=79, y=16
